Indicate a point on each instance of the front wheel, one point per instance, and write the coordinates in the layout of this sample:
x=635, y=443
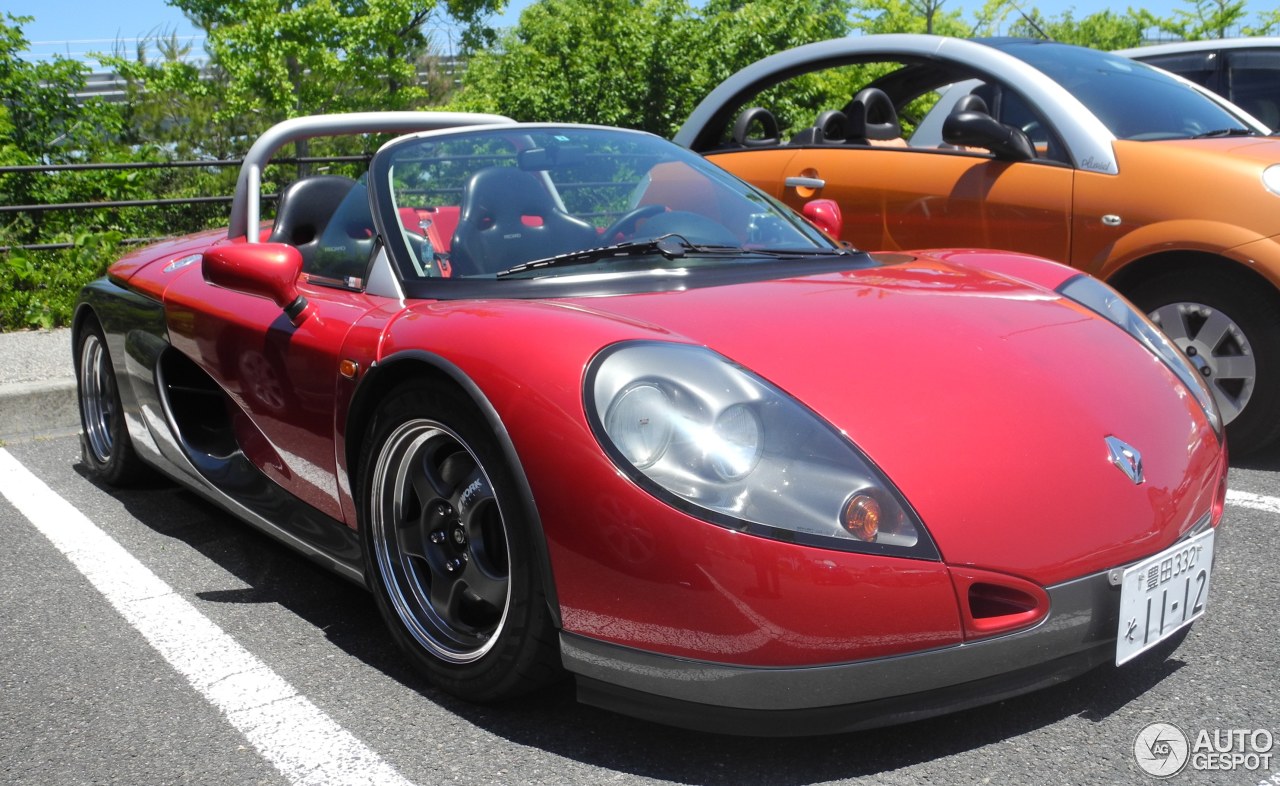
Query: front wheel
x=1231, y=333
x=448, y=548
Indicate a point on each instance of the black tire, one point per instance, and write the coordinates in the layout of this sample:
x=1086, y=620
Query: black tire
x=448, y=548
x=104, y=438
x=1233, y=330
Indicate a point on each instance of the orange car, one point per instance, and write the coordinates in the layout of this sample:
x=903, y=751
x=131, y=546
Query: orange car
x=1163, y=189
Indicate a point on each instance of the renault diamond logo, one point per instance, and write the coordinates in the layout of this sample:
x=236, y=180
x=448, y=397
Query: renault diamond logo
x=1126, y=458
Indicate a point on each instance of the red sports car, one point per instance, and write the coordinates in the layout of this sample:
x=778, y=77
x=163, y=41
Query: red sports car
x=572, y=399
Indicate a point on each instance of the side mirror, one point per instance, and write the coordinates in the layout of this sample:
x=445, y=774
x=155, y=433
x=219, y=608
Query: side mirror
x=268, y=270
x=979, y=129
x=825, y=215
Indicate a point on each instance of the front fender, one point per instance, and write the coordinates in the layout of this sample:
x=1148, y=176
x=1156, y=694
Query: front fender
x=387, y=373
x=1229, y=241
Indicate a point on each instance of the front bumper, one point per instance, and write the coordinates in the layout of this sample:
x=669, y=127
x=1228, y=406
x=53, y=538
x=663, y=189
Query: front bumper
x=1078, y=634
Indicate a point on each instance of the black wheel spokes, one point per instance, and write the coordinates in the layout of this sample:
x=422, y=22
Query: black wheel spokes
x=449, y=546
x=486, y=570
x=427, y=507
x=466, y=591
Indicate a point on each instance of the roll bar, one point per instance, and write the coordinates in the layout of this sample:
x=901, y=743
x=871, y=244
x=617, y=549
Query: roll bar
x=246, y=208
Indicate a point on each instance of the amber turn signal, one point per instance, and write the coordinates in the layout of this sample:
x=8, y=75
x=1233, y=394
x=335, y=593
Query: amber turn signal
x=861, y=517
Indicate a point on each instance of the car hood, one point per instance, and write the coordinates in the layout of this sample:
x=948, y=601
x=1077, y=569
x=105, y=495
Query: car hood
x=1263, y=149
x=986, y=400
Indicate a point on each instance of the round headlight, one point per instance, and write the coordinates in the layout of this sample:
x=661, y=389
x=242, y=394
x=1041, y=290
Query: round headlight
x=716, y=441
x=1271, y=178
x=639, y=423
x=734, y=448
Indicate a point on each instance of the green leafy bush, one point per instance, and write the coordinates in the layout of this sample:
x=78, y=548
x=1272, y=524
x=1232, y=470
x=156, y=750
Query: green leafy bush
x=38, y=288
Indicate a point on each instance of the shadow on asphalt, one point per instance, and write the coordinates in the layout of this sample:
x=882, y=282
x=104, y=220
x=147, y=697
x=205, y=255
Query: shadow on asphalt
x=1267, y=460
x=553, y=721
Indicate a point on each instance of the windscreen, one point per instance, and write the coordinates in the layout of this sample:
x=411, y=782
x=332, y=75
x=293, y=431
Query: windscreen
x=1134, y=100
x=478, y=203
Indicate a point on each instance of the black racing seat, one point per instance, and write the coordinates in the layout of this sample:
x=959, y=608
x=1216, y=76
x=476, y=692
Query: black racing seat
x=327, y=218
x=507, y=218
x=305, y=208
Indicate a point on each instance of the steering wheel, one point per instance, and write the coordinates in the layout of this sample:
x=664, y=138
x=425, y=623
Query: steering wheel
x=626, y=223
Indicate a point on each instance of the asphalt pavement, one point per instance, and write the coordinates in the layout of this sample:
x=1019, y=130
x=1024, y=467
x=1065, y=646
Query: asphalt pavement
x=37, y=384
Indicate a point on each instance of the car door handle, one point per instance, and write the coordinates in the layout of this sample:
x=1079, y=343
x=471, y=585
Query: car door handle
x=804, y=182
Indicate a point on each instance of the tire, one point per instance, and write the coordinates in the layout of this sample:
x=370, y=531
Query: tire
x=104, y=438
x=448, y=548
x=1231, y=330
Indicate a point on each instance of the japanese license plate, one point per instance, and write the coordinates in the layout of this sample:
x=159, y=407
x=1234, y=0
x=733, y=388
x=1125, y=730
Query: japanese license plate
x=1162, y=594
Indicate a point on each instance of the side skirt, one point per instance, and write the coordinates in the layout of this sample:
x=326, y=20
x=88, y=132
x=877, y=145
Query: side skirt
x=179, y=422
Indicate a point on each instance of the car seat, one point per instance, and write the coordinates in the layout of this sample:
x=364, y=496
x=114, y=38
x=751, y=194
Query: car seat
x=748, y=121
x=873, y=119
x=507, y=218
x=304, y=210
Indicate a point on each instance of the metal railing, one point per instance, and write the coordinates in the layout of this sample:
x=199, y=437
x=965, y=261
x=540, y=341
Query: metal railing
x=300, y=162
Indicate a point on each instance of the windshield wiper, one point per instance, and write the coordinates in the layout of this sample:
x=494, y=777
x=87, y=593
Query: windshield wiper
x=670, y=246
x=1219, y=132
x=788, y=253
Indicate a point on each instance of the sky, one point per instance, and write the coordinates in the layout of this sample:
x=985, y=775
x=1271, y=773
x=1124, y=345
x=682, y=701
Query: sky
x=75, y=28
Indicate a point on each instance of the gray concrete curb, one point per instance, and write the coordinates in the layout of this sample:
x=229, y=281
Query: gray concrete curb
x=37, y=384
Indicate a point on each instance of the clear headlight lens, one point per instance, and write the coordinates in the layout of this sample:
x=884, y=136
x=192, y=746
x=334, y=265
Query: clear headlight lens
x=1106, y=302
x=722, y=444
x=1271, y=178
x=639, y=419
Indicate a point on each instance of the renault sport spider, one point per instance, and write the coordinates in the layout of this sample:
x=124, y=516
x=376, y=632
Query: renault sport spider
x=572, y=400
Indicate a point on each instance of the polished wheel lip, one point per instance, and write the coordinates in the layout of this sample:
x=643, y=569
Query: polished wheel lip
x=1205, y=348
x=407, y=578
x=96, y=400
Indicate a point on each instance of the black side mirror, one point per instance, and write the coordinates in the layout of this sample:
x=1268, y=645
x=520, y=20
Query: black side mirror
x=979, y=129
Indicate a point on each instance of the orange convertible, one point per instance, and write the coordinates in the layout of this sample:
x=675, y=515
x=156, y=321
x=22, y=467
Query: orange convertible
x=1167, y=192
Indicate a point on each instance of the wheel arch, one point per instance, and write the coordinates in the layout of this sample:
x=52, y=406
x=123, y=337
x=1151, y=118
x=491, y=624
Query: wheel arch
x=1247, y=298
x=1187, y=262
x=83, y=313
x=385, y=376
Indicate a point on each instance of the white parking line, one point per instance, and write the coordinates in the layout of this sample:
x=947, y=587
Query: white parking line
x=300, y=740
x=1244, y=499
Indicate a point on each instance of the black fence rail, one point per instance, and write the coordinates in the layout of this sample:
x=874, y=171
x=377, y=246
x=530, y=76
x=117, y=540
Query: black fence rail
x=301, y=162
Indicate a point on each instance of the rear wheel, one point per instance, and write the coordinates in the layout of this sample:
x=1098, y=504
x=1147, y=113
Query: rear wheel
x=1231, y=332
x=104, y=439
x=448, y=548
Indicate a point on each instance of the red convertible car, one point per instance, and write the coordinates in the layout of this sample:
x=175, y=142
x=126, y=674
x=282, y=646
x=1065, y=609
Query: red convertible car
x=574, y=400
